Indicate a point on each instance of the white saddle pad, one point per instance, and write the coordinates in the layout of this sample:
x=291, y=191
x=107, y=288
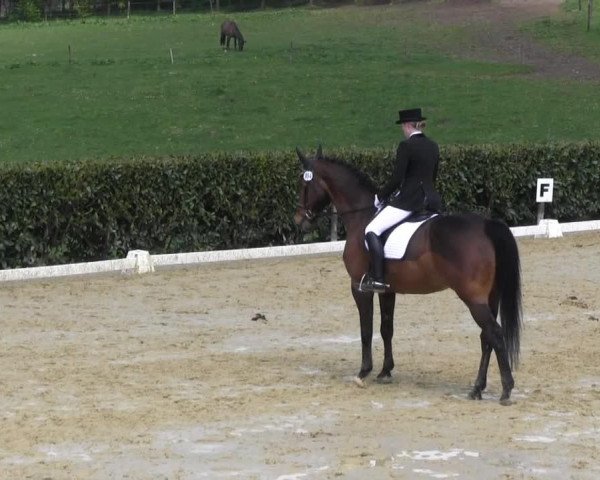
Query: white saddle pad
x=396, y=244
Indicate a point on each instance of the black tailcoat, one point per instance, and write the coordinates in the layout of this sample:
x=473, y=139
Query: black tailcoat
x=411, y=186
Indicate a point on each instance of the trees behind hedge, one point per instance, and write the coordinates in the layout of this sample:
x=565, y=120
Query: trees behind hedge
x=36, y=10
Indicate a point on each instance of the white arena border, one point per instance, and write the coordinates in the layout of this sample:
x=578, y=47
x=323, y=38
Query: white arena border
x=140, y=261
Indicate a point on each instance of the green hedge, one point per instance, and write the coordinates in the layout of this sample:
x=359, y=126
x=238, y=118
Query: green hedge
x=502, y=180
x=70, y=212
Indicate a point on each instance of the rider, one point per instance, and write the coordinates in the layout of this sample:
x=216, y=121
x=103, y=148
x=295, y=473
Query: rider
x=410, y=189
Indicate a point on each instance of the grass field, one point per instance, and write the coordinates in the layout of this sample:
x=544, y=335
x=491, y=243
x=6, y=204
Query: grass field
x=335, y=77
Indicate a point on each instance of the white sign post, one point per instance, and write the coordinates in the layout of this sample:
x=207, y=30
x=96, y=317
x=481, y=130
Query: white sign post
x=543, y=195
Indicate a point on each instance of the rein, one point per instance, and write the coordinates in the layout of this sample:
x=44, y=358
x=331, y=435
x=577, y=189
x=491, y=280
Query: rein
x=310, y=215
x=354, y=210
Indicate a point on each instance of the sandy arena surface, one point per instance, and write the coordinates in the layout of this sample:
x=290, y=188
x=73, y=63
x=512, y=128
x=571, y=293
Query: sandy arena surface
x=166, y=375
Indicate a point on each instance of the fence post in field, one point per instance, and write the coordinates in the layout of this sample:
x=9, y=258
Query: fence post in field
x=521, y=56
x=589, y=14
x=128, y=8
x=173, y=7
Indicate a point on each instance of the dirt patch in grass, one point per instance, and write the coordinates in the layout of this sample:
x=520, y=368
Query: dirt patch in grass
x=496, y=35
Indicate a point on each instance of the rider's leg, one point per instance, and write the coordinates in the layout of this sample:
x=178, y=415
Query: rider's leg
x=382, y=221
x=376, y=254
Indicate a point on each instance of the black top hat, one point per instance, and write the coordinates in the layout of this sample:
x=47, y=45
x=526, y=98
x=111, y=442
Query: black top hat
x=410, y=115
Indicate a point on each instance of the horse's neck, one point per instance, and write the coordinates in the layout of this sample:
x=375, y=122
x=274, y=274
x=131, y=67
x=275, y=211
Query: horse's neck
x=352, y=201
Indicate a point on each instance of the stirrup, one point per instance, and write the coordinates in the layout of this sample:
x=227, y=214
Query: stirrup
x=367, y=284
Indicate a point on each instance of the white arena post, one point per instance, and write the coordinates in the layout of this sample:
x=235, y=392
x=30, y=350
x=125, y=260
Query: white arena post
x=143, y=261
x=549, y=229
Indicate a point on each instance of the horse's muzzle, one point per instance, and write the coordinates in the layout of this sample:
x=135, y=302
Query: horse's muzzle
x=304, y=220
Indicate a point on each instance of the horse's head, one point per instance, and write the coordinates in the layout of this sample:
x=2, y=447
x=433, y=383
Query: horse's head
x=313, y=196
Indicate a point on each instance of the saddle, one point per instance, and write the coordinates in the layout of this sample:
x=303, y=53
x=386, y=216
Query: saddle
x=395, y=239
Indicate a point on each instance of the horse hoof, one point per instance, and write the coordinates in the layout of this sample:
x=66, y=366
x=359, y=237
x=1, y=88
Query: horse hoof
x=475, y=395
x=505, y=402
x=384, y=378
x=359, y=383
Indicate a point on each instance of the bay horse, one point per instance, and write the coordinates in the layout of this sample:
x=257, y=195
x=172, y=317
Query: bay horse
x=476, y=257
x=229, y=30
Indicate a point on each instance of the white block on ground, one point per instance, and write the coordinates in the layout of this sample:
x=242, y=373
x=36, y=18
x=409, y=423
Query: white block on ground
x=143, y=260
x=549, y=229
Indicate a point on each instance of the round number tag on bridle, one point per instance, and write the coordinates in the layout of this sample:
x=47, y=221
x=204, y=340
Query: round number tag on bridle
x=308, y=176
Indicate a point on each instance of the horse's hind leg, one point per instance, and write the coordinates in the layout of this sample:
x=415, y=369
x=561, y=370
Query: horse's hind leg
x=387, y=302
x=481, y=381
x=364, y=304
x=491, y=334
x=486, y=351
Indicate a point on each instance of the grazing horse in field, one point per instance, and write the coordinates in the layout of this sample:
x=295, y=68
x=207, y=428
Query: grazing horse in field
x=476, y=257
x=229, y=30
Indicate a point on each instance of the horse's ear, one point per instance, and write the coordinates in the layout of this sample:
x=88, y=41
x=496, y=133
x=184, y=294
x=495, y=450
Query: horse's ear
x=319, y=153
x=303, y=159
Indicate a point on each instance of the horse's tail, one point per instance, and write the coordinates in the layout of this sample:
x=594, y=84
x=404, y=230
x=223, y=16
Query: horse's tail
x=222, y=38
x=508, y=285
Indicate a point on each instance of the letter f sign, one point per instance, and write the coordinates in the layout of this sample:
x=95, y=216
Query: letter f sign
x=545, y=187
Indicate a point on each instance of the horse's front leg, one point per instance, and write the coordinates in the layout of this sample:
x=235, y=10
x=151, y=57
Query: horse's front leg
x=364, y=303
x=387, y=302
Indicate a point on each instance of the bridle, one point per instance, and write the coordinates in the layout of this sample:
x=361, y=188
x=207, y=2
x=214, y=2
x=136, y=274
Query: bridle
x=309, y=215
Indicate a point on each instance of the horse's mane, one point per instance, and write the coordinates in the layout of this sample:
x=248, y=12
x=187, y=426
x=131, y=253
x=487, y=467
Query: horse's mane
x=363, y=179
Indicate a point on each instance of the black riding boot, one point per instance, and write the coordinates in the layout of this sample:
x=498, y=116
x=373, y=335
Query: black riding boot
x=374, y=282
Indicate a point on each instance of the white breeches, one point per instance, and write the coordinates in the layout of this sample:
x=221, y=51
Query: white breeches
x=385, y=219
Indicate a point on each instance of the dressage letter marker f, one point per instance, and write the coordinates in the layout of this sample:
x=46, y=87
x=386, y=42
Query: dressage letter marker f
x=545, y=187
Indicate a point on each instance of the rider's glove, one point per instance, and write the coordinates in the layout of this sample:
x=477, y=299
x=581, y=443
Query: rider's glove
x=378, y=204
